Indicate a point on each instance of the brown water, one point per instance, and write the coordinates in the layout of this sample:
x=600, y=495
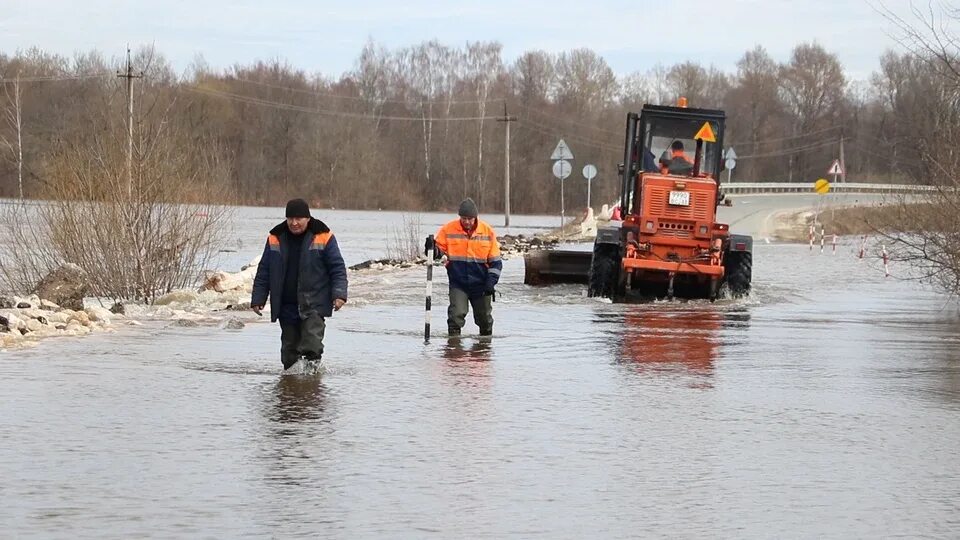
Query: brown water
x=828, y=403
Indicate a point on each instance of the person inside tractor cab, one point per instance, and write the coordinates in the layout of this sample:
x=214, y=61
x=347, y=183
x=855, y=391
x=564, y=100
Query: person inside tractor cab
x=649, y=162
x=676, y=162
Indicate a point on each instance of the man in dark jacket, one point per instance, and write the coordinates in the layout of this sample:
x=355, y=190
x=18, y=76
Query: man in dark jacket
x=303, y=273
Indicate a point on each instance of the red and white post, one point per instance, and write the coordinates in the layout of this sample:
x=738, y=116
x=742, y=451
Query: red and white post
x=863, y=246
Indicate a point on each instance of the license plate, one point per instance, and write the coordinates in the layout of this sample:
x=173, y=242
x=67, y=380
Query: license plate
x=680, y=198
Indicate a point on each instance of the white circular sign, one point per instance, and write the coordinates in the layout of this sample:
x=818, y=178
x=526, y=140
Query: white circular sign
x=731, y=163
x=589, y=172
x=562, y=169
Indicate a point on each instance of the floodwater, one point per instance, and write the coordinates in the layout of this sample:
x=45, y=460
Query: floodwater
x=826, y=404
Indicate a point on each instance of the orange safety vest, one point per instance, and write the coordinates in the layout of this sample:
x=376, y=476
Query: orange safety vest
x=676, y=154
x=473, y=259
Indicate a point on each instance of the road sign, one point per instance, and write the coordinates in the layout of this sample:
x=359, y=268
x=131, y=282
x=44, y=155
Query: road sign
x=821, y=186
x=706, y=133
x=730, y=163
x=835, y=168
x=562, y=151
x=562, y=169
x=589, y=172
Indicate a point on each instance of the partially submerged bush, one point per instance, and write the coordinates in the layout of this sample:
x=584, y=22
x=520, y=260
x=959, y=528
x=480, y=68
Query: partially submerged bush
x=138, y=229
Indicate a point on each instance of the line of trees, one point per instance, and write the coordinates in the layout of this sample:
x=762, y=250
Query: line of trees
x=415, y=128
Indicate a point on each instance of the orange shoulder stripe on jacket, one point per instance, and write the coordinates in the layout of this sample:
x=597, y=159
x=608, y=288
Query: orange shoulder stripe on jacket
x=322, y=238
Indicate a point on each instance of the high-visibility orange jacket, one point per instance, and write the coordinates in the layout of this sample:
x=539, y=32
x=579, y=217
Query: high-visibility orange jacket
x=473, y=259
x=677, y=159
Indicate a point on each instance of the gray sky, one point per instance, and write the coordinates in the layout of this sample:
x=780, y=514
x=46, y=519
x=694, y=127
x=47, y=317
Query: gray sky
x=326, y=36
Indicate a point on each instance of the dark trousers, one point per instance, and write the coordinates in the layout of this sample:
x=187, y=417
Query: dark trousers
x=303, y=338
x=460, y=304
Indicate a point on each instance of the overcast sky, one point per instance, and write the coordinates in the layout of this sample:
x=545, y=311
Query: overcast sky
x=326, y=36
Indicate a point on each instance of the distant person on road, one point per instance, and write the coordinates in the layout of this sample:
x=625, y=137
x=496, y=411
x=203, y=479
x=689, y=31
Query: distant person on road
x=304, y=275
x=473, y=268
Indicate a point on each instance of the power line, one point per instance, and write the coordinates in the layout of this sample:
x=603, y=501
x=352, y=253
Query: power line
x=324, y=112
x=545, y=130
x=791, y=151
x=570, y=122
x=781, y=139
x=316, y=93
x=54, y=78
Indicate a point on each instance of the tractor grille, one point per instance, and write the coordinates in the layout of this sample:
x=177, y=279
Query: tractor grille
x=699, y=209
x=673, y=233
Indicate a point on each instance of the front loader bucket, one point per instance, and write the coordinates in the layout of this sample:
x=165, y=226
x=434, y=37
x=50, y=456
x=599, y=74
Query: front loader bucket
x=556, y=266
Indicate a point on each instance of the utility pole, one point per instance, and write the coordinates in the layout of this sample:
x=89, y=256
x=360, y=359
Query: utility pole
x=13, y=117
x=129, y=76
x=506, y=166
x=16, y=91
x=843, y=166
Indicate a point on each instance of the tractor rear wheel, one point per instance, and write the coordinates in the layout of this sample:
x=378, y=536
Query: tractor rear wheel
x=604, y=273
x=739, y=272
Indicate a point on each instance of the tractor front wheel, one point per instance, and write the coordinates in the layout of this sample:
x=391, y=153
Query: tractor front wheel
x=738, y=266
x=604, y=273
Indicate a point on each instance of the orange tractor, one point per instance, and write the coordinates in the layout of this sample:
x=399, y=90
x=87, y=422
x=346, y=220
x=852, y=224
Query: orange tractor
x=668, y=243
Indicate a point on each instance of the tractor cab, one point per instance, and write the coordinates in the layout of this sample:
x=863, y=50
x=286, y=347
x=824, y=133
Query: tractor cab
x=671, y=141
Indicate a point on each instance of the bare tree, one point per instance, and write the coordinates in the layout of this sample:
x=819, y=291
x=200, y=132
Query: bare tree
x=812, y=85
x=136, y=243
x=657, y=77
x=635, y=91
x=485, y=66
x=585, y=82
x=925, y=84
x=754, y=110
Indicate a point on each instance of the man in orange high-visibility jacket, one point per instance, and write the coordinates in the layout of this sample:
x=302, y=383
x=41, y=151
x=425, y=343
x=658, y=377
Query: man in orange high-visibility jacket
x=677, y=162
x=473, y=268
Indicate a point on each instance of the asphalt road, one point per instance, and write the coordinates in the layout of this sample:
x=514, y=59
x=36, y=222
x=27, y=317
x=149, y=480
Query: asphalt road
x=758, y=214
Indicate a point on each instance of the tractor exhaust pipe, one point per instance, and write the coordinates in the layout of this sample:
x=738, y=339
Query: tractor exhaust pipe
x=629, y=161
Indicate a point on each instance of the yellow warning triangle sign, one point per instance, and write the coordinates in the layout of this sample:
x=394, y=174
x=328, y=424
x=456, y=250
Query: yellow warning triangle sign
x=705, y=133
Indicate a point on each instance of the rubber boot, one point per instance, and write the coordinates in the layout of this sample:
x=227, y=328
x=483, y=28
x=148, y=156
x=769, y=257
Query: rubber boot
x=289, y=361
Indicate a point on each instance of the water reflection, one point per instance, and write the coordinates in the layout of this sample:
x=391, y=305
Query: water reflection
x=658, y=340
x=467, y=362
x=458, y=350
x=296, y=413
x=298, y=398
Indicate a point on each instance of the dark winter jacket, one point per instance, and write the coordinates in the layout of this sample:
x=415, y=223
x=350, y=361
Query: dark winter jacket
x=323, y=274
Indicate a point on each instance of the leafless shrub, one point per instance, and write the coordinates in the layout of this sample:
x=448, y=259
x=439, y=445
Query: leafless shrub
x=137, y=232
x=927, y=235
x=26, y=254
x=407, y=242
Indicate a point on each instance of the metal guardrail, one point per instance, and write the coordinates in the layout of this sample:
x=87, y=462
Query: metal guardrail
x=807, y=187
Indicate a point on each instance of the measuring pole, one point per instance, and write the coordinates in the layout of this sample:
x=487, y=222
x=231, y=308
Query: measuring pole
x=426, y=321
